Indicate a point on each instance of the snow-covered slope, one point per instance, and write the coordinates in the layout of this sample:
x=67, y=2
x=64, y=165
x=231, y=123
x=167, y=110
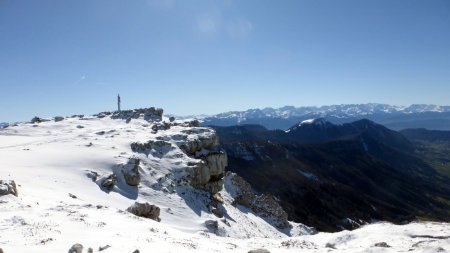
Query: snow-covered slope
x=59, y=166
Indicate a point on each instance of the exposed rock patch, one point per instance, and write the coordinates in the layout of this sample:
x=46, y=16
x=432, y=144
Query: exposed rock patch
x=76, y=248
x=258, y=251
x=130, y=172
x=58, y=118
x=263, y=204
x=148, y=114
x=382, y=245
x=8, y=187
x=109, y=182
x=159, y=146
x=145, y=210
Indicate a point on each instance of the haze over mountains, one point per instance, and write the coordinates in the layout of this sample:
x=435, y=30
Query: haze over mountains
x=395, y=117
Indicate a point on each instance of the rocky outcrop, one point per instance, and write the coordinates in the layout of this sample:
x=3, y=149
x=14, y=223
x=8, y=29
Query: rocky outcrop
x=159, y=146
x=76, y=248
x=8, y=187
x=206, y=140
x=258, y=251
x=58, y=118
x=36, y=119
x=208, y=173
x=109, y=182
x=148, y=114
x=202, y=143
x=161, y=126
x=263, y=204
x=130, y=172
x=145, y=210
x=216, y=161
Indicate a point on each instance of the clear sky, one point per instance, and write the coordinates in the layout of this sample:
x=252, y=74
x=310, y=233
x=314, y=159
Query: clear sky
x=209, y=56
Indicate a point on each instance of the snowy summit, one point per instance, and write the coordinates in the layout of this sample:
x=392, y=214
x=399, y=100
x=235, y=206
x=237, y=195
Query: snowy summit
x=136, y=181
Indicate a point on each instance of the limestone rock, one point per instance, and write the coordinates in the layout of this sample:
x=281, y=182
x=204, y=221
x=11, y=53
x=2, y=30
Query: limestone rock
x=76, y=248
x=159, y=146
x=382, y=245
x=217, y=212
x=148, y=114
x=259, y=251
x=216, y=161
x=109, y=182
x=8, y=187
x=131, y=172
x=263, y=204
x=36, y=120
x=213, y=186
x=160, y=126
x=58, y=118
x=206, y=140
x=212, y=224
x=200, y=174
x=145, y=210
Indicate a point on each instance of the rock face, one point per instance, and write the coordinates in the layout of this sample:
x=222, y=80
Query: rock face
x=130, y=172
x=263, y=204
x=207, y=173
x=216, y=161
x=8, y=187
x=145, y=210
x=76, y=248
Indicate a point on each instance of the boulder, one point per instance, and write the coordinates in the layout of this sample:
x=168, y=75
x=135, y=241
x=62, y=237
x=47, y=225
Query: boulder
x=212, y=224
x=258, y=251
x=172, y=119
x=217, y=212
x=382, y=245
x=58, y=118
x=131, y=172
x=145, y=210
x=194, y=123
x=76, y=248
x=109, y=182
x=36, y=120
x=8, y=187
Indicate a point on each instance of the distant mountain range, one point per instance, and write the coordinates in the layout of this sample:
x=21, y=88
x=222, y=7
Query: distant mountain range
x=337, y=177
x=395, y=117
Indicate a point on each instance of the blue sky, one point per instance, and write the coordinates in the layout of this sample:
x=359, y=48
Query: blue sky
x=209, y=56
